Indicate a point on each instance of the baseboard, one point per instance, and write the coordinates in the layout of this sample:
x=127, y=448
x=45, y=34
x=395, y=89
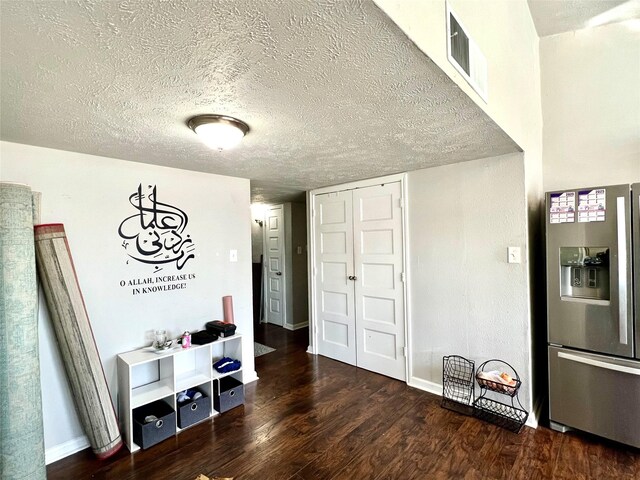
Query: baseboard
x=250, y=377
x=532, y=421
x=65, y=449
x=425, y=385
x=311, y=350
x=296, y=326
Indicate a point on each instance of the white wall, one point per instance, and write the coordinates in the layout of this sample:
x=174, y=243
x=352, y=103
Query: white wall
x=591, y=107
x=300, y=288
x=465, y=299
x=257, y=248
x=89, y=195
x=288, y=264
x=506, y=35
x=295, y=232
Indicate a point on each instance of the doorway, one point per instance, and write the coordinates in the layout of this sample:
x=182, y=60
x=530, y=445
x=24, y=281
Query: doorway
x=279, y=237
x=275, y=274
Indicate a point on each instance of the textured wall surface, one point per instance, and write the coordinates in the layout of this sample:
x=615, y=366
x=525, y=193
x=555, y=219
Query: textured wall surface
x=299, y=264
x=90, y=196
x=478, y=307
x=591, y=107
x=552, y=16
x=333, y=91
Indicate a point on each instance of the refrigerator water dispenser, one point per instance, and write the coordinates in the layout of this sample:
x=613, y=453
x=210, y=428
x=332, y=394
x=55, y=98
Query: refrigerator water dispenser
x=584, y=274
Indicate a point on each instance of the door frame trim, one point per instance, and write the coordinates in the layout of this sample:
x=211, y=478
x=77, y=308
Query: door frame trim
x=311, y=194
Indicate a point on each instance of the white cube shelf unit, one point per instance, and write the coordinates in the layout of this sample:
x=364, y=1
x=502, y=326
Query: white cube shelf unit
x=145, y=376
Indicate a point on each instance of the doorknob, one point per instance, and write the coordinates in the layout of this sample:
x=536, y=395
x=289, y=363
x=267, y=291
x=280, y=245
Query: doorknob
x=278, y=273
x=353, y=277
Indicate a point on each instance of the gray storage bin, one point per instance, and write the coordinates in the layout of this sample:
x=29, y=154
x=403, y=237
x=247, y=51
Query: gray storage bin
x=228, y=394
x=148, y=434
x=194, y=411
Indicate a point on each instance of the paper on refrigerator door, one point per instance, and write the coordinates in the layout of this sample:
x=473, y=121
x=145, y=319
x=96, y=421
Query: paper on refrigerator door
x=592, y=205
x=562, y=208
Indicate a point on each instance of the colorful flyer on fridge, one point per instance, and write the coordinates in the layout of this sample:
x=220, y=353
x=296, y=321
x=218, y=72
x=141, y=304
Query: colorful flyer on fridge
x=563, y=207
x=592, y=205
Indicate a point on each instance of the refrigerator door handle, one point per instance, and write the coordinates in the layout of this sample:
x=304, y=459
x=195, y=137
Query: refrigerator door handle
x=599, y=363
x=622, y=269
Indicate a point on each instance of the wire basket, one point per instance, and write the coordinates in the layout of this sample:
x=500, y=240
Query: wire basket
x=510, y=417
x=506, y=416
x=457, y=384
x=503, y=388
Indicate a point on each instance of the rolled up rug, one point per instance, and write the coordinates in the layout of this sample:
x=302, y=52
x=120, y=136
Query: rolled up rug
x=21, y=427
x=75, y=340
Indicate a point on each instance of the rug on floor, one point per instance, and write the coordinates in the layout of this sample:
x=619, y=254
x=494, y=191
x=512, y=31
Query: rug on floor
x=260, y=349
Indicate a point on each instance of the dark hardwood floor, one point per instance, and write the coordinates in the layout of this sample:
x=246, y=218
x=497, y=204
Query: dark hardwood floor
x=309, y=417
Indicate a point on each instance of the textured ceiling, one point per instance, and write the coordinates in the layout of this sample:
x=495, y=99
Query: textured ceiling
x=557, y=16
x=333, y=91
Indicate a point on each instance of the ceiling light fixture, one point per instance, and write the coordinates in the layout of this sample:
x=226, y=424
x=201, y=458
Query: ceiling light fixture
x=218, y=131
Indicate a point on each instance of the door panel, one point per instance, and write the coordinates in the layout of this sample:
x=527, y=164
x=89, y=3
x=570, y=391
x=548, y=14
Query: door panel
x=381, y=344
x=274, y=242
x=375, y=275
x=595, y=393
x=333, y=265
x=379, y=289
x=333, y=242
x=378, y=309
x=575, y=320
x=377, y=242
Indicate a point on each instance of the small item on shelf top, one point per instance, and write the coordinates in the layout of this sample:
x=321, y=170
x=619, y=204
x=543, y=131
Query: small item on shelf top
x=162, y=346
x=161, y=341
x=203, y=337
x=227, y=307
x=222, y=329
x=185, y=340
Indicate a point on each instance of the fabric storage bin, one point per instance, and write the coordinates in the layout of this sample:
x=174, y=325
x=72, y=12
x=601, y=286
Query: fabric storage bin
x=147, y=434
x=228, y=394
x=194, y=411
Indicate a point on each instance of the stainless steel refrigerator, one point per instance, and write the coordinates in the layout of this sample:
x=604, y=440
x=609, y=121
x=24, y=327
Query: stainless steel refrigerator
x=593, y=318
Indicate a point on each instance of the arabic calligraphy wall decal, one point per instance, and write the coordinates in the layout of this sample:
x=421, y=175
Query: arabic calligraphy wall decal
x=155, y=234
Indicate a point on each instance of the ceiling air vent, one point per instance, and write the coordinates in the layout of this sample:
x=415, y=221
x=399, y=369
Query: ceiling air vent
x=465, y=56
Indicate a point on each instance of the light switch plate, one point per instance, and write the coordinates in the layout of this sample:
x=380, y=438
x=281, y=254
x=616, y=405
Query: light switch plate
x=233, y=255
x=513, y=255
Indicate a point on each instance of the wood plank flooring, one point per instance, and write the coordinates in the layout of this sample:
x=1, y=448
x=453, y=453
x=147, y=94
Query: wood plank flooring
x=312, y=418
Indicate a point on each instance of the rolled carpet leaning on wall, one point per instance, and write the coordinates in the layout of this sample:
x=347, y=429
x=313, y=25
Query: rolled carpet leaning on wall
x=75, y=340
x=21, y=426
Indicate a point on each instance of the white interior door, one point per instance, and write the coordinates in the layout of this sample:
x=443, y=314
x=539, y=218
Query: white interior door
x=335, y=314
x=274, y=265
x=379, y=282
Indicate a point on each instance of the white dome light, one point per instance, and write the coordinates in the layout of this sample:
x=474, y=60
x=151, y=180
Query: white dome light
x=218, y=131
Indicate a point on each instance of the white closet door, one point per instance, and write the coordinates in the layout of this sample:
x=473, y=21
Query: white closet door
x=275, y=280
x=379, y=287
x=334, y=264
